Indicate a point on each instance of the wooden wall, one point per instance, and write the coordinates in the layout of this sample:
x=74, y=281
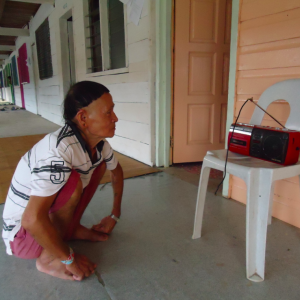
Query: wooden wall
x=268, y=52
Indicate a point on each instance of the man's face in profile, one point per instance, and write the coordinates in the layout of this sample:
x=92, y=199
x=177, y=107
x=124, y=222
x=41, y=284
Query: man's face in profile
x=100, y=118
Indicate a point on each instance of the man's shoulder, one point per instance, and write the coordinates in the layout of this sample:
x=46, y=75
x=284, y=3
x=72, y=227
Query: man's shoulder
x=61, y=139
x=56, y=141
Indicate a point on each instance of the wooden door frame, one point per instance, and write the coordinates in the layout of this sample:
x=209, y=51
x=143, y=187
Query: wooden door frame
x=226, y=192
x=163, y=36
x=35, y=69
x=165, y=32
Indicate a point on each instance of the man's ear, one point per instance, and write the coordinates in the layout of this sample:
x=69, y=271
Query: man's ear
x=81, y=118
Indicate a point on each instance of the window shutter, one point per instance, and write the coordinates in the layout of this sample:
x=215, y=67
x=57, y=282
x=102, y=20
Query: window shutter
x=95, y=36
x=1, y=79
x=7, y=74
x=4, y=78
x=14, y=70
x=116, y=34
x=43, y=46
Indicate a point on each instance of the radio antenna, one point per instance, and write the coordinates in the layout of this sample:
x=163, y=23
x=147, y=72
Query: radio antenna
x=251, y=99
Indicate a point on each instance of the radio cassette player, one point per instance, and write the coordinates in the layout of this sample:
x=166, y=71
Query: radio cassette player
x=279, y=145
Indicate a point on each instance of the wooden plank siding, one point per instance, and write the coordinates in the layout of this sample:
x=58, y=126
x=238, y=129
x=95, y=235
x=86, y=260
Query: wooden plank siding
x=268, y=52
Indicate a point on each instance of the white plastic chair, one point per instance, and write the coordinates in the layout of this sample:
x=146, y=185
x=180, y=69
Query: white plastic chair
x=259, y=176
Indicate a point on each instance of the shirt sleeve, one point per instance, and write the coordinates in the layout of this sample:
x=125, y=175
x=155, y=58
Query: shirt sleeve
x=50, y=174
x=109, y=157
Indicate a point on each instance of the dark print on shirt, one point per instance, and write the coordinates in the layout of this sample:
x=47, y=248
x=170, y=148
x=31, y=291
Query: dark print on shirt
x=63, y=134
x=18, y=193
x=58, y=168
x=8, y=227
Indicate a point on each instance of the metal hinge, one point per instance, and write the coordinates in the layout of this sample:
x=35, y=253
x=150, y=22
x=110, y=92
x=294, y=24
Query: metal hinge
x=171, y=142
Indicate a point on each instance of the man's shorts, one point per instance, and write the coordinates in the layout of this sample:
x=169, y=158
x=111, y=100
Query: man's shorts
x=25, y=246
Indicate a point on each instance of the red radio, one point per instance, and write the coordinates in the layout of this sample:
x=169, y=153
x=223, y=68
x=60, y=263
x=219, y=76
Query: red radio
x=279, y=145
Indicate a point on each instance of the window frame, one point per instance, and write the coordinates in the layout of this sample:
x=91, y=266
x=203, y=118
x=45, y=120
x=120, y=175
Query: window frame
x=105, y=45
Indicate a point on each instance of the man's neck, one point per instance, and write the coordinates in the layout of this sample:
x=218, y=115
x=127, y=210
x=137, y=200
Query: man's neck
x=91, y=141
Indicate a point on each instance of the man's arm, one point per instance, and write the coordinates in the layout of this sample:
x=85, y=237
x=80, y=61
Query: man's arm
x=36, y=221
x=107, y=224
x=117, y=180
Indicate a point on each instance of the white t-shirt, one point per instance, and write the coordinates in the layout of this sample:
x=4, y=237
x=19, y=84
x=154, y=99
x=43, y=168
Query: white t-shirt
x=45, y=169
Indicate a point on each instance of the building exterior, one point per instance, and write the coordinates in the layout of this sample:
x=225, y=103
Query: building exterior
x=131, y=85
x=264, y=45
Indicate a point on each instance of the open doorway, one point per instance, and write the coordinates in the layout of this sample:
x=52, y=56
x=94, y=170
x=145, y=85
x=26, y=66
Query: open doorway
x=67, y=51
x=71, y=51
x=23, y=71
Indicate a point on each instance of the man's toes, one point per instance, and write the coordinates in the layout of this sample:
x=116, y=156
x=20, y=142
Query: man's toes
x=67, y=276
x=67, y=272
x=101, y=237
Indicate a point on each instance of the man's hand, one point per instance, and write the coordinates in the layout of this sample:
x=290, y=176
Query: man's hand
x=106, y=225
x=81, y=267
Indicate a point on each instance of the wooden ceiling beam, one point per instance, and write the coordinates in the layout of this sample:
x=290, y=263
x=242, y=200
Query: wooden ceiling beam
x=36, y=1
x=13, y=31
x=7, y=48
x=2, y=56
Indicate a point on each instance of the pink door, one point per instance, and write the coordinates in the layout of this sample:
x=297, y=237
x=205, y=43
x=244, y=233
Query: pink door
x=201, y=70
x=23, y=70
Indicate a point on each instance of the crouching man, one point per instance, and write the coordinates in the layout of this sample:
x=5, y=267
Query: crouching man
x=55, y=181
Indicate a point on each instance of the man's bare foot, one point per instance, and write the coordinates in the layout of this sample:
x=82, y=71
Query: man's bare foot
x=80, y=268
x=83, y=233
x=53, y=267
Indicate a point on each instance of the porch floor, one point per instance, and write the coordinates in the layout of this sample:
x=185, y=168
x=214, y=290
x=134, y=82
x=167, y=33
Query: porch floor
x=150, y=254
x=22, y=122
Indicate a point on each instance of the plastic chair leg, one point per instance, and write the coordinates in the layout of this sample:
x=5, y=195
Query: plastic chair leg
x=201, y=201
x=271, y=204
x=256, y=223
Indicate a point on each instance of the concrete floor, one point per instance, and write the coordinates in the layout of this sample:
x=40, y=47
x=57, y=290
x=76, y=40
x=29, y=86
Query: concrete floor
x=22, y=122
x=150, y=254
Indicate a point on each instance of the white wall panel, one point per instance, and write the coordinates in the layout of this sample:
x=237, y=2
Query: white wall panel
x=55, y=100
x=55, y=80
x=135, y=112
x=139, y=66
x=130, y=92
x=138, y=33
x=131, y=148
x=18, y=98
x=55, y=109
x=7, y=94
x=139, y=51
x=142, y=76
x=52, y=90
x=134, y=131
